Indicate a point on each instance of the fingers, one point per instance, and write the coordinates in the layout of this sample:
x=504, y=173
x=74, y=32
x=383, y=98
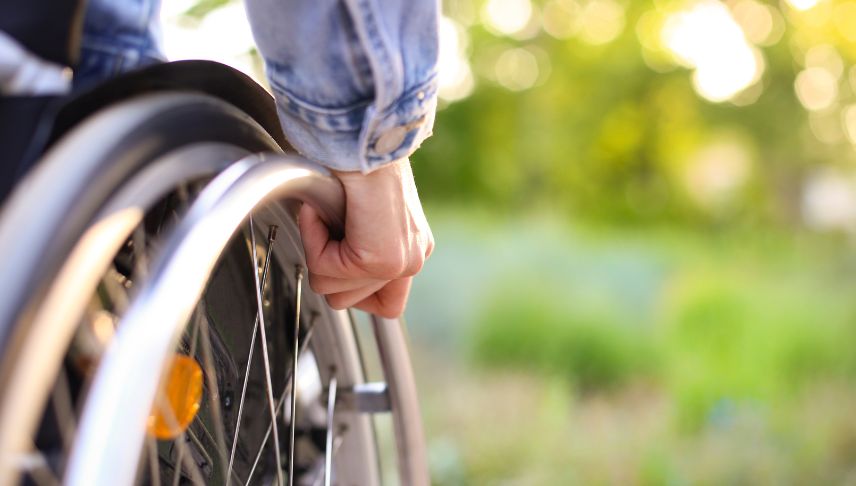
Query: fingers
x=316, y=241
x=340, y=259
x=388, y=302
x=387, y=240
x=343, y=300
x=324, y=285
x=324, y=256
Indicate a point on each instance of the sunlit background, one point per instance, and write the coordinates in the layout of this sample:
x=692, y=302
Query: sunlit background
x=645, y=215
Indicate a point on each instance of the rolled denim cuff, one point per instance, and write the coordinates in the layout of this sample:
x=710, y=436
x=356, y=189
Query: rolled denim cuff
x=358, y=137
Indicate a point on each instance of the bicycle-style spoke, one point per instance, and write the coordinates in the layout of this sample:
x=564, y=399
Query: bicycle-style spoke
x=182, y=192
x=180, y=442
x=180, y=445
x=337, y=442
x=35, y=464
x=271, y=238
x=185, y=461
x=42, y=477
x=140, y=256
x=154, y=466
x=140, y=271
x=204, y=338
x=328, y=450
x=203, y=451
x=113, y=285
x=64, y=410
x=210, y=375
x=265, y=355
x=285, y=391
x=298, y=287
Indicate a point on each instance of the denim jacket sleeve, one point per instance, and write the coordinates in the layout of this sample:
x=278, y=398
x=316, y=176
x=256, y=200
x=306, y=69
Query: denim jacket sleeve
x=355, y=80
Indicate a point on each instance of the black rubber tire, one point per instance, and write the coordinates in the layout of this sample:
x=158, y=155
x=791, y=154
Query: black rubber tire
x=157, y=129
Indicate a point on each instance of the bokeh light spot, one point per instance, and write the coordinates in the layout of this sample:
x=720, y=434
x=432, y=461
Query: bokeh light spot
x=601, y=21
x=517, y=69
x=205, y=39
x=826, y=126
x=761, y=23
x=507, y=17
x=707, y=38
x=716, y=172
x=560, y=18
x=825, y=56
x=816, y=88
x=455, y=76
x=802, y=4
x=829, y=201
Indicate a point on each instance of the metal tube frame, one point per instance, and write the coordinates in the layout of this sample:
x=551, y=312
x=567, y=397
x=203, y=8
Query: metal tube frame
x=152, y=325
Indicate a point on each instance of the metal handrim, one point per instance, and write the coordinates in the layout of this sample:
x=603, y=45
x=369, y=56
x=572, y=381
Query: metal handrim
x=406, y=416
x=164, y=304
x=51, y=328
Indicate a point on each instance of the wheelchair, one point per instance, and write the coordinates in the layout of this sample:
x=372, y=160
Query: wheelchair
x=154, y=323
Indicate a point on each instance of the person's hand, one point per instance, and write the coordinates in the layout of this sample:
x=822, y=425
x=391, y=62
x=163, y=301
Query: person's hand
x=386, y=242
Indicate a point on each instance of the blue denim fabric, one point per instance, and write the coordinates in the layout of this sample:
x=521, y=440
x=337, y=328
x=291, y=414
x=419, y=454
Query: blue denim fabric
x=355, y=80
x=118, y=36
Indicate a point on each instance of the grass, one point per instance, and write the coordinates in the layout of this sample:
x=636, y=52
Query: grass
x=661, y=357
x=547, y=333
x=723, y=324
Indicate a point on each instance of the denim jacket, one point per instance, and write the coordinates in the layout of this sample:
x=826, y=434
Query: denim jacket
x=355, y=80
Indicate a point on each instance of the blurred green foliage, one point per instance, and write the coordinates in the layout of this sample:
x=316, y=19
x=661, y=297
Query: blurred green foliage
x=543, y=330
x=599, y=355
x=731, y=320
x=606, y=137
x=661, y=328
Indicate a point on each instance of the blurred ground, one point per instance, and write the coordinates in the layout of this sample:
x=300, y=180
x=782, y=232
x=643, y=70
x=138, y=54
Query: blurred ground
x=548, y=355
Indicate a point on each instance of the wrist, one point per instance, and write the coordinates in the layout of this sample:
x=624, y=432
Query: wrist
x=380, y=184
x=387, y=170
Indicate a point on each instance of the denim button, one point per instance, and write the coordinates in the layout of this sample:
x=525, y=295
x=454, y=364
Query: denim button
x=390, y=140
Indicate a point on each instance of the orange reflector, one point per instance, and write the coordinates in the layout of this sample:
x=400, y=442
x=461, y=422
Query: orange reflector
x=178, y=399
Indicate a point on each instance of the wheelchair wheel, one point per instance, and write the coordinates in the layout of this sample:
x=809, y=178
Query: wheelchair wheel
x=155, y=329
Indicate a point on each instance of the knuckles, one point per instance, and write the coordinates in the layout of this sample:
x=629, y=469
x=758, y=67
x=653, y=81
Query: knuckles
x=382, y=265
x=395, y=263
x=402, y=260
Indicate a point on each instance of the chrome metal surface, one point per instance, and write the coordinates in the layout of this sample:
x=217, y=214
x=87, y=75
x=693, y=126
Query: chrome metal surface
x=260, y=317
x=288, y=385
x=407, y=423
x=298, y=294
x=39, y=357
x=356, y=450
x=328, y=449
x=154, y=468
x=154, y=320
x=165, y=303
x=266, y=267
x=210, y=373
x=181, y=441
x=365, y=398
